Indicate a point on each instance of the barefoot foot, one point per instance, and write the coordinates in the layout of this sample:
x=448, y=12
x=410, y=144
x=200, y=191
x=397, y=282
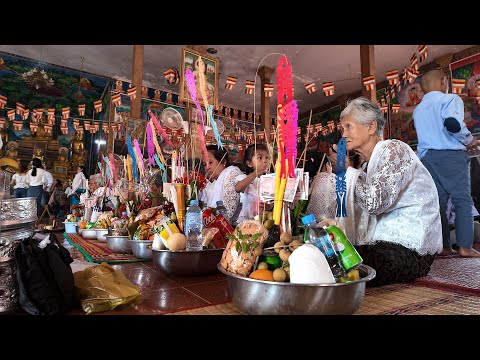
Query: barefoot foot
x=446, y=252
x=466, y=252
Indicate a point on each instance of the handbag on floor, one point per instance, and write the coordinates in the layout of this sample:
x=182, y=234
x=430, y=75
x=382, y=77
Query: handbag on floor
x=44, y=276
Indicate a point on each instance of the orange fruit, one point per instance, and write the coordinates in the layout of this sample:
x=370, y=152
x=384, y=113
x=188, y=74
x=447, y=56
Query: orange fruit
x=262, y=274
x=82, y=224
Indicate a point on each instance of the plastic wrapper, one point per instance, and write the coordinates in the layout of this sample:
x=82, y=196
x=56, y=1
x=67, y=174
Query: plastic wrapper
x=147, y=214
x=101, y=288
x=209, y=234
x=242, y=251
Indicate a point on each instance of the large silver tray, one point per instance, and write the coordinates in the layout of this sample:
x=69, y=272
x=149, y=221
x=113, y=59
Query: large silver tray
x=17, y=213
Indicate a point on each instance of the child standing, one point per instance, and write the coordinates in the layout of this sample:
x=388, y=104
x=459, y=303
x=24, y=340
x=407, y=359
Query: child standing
x=257, y=162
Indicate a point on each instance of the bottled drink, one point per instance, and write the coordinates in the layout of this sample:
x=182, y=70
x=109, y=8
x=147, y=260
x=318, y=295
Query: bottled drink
x=221, y=208
x=349, y=257
x=318, y=236
x=193, y=227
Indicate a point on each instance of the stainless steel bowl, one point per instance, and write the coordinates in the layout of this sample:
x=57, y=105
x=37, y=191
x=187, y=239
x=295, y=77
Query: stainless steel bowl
x=119, y=244
x=259, y=297
x=90, y=234
x=101, y=235
x=17, y=213
x=142, y=249
x=191, y=263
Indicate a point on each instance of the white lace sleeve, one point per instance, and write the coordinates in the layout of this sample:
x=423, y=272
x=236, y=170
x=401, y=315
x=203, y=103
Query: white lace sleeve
x=386, y=178
x=231, y=199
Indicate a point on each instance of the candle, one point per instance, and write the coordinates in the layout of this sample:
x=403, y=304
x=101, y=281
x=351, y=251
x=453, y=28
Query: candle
x=181, y=204
x=174, y=165
x=129, y=172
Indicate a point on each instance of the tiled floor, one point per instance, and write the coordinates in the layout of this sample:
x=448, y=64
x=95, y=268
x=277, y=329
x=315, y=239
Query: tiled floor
x=162, y=294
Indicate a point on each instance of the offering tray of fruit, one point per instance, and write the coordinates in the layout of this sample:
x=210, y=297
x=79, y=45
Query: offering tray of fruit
x=284, y=298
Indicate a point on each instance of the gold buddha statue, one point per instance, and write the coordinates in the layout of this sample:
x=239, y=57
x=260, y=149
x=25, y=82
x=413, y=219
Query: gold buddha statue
x=41, y=135
x=38, y=153
x=77, y=146
x=12, y=152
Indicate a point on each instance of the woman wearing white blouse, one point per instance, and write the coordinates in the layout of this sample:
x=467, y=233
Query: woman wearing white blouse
x=36, y=181
x=79, y=186
x=393, y=213
x=19, y=181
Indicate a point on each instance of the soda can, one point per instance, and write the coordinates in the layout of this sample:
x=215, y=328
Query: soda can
x=349, y=257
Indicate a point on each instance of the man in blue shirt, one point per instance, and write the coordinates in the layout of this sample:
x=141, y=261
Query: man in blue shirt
x=443, y=141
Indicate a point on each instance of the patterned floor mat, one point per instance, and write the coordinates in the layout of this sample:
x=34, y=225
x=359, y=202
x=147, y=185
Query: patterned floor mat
x=398, y=299
x=96, y=251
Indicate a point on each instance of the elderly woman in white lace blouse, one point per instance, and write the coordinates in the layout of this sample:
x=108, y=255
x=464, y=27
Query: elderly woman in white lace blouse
x=393, y=215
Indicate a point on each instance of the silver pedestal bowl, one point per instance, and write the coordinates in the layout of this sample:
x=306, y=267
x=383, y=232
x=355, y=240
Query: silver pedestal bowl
x=190, y=263
x=259, y=297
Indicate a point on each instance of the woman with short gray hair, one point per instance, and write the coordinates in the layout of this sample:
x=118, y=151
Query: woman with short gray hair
x=392, y=206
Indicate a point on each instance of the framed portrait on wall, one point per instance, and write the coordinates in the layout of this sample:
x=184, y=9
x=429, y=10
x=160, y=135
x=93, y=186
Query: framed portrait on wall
x=193, y=60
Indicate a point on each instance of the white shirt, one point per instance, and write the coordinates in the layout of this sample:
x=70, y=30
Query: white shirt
x=37, y=180
x=79, y=182
x=49, y=180
x=20, y=181
x=249, y=199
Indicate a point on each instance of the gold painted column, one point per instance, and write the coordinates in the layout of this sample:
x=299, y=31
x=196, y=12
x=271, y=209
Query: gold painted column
x=367, y=65
x=137, y=78
x=265, y=74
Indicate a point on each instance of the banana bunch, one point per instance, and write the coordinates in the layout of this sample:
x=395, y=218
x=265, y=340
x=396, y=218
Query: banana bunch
x=102, y=224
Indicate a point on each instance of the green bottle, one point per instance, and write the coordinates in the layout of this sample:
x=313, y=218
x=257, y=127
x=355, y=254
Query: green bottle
x=349, y=257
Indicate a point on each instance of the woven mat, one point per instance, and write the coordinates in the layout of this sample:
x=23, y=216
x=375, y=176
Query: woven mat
x=454, y=273
x=398, y=299
x=97, y=251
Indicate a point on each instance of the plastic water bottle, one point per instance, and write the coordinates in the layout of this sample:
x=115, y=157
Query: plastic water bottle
x=221, y=209
x=318, y=236
x=193, y=227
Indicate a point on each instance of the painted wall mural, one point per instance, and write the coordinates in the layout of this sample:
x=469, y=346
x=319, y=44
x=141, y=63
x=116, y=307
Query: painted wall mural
x=36, y=84
x=469, y=69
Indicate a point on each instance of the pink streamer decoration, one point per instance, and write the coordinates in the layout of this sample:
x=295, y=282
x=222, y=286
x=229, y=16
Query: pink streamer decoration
x=139, y=155
x=112, y=167
x=150, y=146
x=192, y=89
x=287, y=118
x=160, y=129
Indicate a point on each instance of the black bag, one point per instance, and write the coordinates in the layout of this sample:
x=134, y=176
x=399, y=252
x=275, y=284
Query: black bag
x=45, y=278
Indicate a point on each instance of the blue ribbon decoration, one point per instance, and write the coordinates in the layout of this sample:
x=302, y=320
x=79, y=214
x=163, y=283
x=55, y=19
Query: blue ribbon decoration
x=131, y=152
x=214, y=127
x=160, y=165
x=340, y=183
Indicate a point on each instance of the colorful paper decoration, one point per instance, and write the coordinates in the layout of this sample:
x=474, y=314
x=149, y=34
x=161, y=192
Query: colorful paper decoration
x=97, y=105
x=411, y=74
x=105, y=128
x=65, y=113
x=132, y=93
x=310, y=87
x=3, y=101
x=20, y=108
x=230, y=82
x=48, y=128
x=458, y=85
x=64, y=130
x=369, y=82
x=249, y=87
x=76, y=123
x=422, y=52
x=395, y=108
x=26, y=112
x=17, y=124
x=2, y=123
x=117, y=100
x=80, y=130
x=33, y=127
x=392, y=77
x=328, y=88
x=63, y=122
x=11, y=114
x=170, y=75
x=81, y=110
x=268, y=88
x=414, y=62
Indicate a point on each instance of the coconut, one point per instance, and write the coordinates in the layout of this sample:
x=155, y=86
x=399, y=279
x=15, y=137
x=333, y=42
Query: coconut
x=176, y=242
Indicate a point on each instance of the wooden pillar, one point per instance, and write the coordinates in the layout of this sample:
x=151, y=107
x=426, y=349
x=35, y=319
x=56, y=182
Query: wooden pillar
x=265, y=74
x=367, y=65
x=137, y=79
